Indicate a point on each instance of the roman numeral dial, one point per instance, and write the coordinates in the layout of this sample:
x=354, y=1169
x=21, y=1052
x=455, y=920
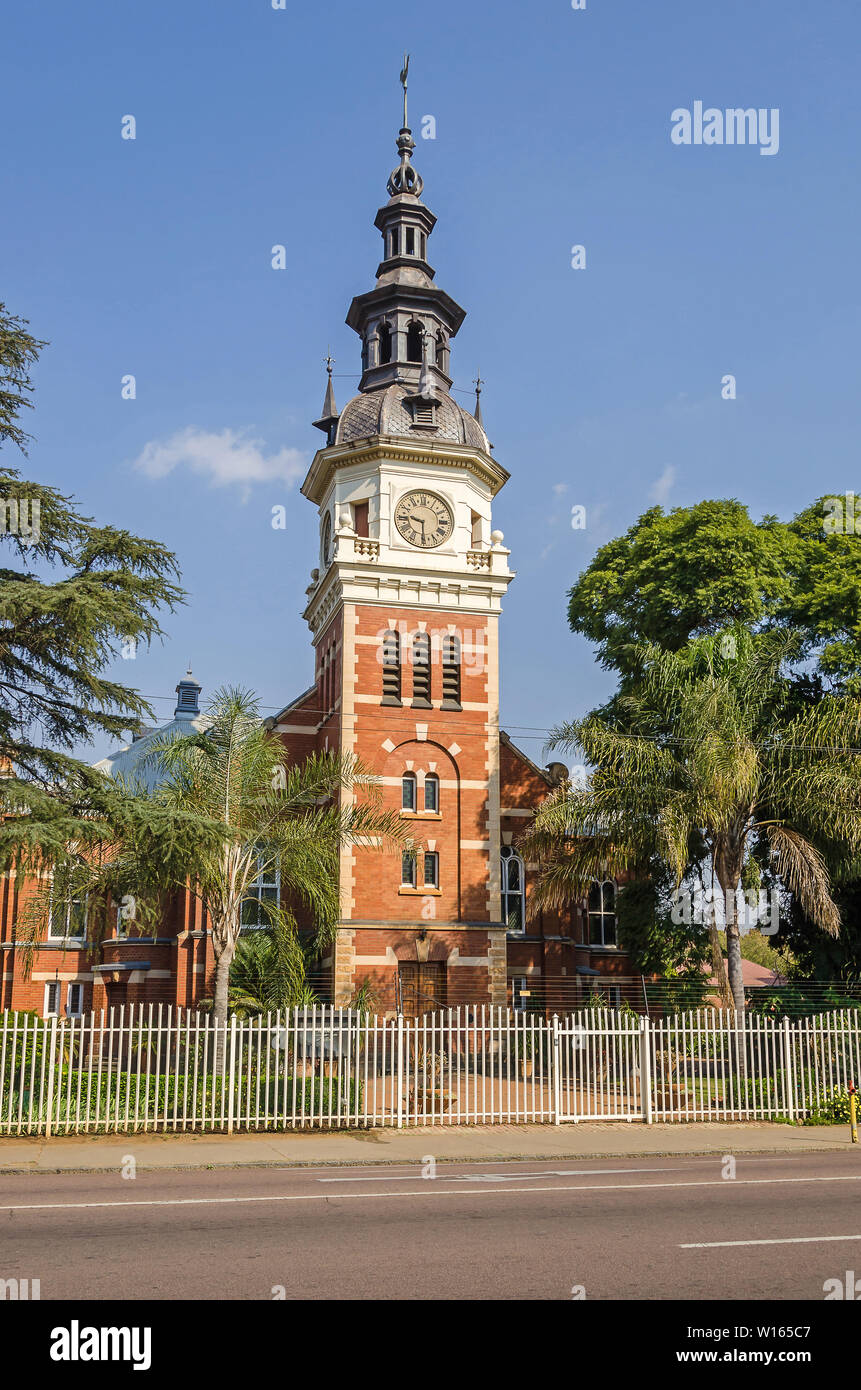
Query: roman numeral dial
x=424, y=519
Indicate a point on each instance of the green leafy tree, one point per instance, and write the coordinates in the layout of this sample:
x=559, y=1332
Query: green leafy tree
x=653, y=942
x=706, y=749
x=696, y=570
x=677, y=575
x=72, y=594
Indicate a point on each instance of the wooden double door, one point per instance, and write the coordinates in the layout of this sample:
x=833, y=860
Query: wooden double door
x=422, y=987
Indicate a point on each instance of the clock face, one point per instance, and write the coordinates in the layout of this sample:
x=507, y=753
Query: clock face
x=424, y=519
x=326, y=538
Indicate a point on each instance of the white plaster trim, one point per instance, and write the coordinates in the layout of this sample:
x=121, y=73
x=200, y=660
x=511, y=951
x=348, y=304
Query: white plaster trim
x=457, y=959
x=76, y=977
x=388, y=959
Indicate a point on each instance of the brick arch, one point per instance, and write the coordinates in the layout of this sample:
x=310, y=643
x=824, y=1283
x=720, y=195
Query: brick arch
x=446, y=831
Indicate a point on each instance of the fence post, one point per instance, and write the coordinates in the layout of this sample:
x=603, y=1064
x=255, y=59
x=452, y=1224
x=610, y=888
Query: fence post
x=232, y=1076
x=788, y=1077
x=645, y=1070
x=52, y=1054
x=400, y=1072
x=557, y=1073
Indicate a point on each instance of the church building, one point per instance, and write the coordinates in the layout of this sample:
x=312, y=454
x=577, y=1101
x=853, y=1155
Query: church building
x=403, y=608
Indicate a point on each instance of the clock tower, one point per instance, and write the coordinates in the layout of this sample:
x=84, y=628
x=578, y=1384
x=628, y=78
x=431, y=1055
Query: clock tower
x=403, y=609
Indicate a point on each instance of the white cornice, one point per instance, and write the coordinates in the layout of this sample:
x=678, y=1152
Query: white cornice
x=406, y=586
x=396, y=449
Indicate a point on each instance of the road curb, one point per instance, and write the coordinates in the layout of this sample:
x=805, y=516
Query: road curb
x=441, y=1161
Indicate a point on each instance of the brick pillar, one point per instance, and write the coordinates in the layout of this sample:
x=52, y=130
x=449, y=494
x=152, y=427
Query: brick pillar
x=497, y=962
x=345, y=965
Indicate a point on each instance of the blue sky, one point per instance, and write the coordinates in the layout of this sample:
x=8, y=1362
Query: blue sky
x=258, y=126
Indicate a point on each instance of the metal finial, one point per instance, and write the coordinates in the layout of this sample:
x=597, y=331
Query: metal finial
x=478, y=383
x=404, y=70
x=329, y=418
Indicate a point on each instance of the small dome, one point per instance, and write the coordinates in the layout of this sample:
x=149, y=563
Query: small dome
x=383, y=412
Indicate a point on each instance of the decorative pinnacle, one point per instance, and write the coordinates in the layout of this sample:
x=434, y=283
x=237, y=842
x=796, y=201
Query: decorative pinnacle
x=405, y=179
x=404, y=70
x=478, y=383
x=330, y=411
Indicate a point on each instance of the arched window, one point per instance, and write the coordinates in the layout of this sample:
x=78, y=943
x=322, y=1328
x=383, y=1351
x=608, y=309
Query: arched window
x=265, y=888
x=415, y=333
x=602, y=913
x=408, y=868
x=385, y=336
x=421, y=670
x=67, y=916
x=432, y=792
x=513, y=890
x=391, y=668
x=408, y=792
x=451, y=673
x=441, y=352
x=329, y=680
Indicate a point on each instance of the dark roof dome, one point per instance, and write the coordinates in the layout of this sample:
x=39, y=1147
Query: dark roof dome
x=385, y=412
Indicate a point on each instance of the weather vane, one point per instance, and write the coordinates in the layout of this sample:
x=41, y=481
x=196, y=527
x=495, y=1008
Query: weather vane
x=404, y=70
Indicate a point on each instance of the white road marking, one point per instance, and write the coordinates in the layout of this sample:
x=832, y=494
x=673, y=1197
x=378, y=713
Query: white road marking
x=428, y=1190
x=783, y=1240
x=502, y=1177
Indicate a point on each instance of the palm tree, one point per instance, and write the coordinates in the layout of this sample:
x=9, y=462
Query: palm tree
x=267, y=973
x=710, y=752
x=273, y=818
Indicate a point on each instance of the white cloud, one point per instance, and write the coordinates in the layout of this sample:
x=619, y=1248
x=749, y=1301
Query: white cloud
x=661, y=488
x=224, y=458
x=559, y=488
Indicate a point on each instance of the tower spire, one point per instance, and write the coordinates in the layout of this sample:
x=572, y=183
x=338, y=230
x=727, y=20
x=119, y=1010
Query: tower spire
x=329, y=419
x=406, y=322
x=405, y=179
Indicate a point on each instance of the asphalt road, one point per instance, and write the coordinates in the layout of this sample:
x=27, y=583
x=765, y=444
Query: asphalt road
x=620, y=1229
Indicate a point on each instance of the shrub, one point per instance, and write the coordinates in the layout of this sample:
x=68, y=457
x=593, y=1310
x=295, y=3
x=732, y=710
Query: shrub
x=834, y=1110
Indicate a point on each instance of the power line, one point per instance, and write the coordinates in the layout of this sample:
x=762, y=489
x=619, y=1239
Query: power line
x=534, y=732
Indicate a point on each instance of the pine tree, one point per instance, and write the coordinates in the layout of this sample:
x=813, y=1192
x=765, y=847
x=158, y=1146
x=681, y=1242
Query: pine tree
x=72, y=593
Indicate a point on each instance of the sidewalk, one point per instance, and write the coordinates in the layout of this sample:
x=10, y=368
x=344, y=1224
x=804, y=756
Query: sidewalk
x=473, y=1143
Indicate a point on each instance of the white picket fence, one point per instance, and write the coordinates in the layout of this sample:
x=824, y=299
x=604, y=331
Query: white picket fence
x=151, y=1068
